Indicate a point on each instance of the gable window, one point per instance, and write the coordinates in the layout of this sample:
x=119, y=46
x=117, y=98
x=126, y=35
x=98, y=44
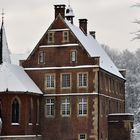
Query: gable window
x=82, y=137
x=15, y=111
x=73, y=55
x=41, y=57
x=50, y=108
x=50, y=37
x=65, y=36
x=83, y=79
x=65, y=106
x=82, y=106
x=66, y=80
x=49, y=81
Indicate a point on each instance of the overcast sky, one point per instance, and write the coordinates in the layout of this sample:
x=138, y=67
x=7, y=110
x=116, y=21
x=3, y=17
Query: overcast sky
x=27, y=20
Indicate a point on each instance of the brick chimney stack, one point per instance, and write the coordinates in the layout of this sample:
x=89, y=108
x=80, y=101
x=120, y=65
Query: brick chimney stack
x=83, y=25
x=60, y=9
x=93, y=34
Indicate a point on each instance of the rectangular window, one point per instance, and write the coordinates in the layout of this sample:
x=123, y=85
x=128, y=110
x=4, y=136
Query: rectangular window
x=82, y=106
x=66, y=80
x=65, y=36
x=50, y=37
x=65, y=106
x=41, y=57
x=73, y=56
x=50, y=108
x=82, y=137
x=82, y=79
x=49, y=81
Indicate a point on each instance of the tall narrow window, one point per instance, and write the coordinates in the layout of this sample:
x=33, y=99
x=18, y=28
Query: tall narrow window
x=49, y=81
x=50, y=37
x=65, y=36
x=37, y=115
x=50, y=108
x=66, y=80
x=41, y=57
x=31, y=111
x=82, y=79
x=65, y=106
x=82, y=106
x=15, y=111
x=73, y=55
x=82, y=137
x=0, y=108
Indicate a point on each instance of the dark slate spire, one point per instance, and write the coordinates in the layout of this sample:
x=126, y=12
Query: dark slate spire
x=4, y=51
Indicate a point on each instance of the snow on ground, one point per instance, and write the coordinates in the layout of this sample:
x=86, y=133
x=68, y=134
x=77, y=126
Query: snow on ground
x=136, y=132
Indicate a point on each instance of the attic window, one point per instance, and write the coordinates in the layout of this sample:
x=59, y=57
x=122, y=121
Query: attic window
x=41, y=57
x=50, y=37
x=73, y=55
x=65, y=36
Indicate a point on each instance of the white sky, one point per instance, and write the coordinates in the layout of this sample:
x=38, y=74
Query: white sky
x=27, y=20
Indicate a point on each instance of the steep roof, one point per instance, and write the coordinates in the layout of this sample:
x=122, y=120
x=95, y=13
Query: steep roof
x=4, y=51
x=14, y=79
x=94, y=49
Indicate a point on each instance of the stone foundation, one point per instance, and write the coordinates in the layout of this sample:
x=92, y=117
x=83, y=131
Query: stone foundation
x=21, y=137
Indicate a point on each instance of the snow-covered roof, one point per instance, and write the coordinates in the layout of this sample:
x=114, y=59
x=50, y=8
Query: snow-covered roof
x=94, y=49
x=14, y=79
x=4, y=45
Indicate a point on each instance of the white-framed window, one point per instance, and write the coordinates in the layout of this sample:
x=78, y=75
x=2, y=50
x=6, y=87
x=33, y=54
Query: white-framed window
x=65, y=106
x=83, y=79
x=65, y=80
x=50, y=107
x=41, y=57
x=50, y=37
x=73, y=56
x=82, y=136
x=49, y=81
x=82, y=106
x=65, y=36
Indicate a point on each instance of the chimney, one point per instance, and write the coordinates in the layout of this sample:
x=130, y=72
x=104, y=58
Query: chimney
x=93, y=34
x=83, y=25
x=60, y=9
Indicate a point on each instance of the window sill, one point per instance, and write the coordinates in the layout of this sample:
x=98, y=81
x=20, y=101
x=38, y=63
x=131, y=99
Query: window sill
x=30, y=124
x=15, y=124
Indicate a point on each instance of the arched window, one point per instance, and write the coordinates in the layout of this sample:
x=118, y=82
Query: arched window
x=31, y=111
x=15, y=111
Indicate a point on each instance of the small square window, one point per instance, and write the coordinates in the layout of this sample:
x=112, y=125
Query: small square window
x=82, y=137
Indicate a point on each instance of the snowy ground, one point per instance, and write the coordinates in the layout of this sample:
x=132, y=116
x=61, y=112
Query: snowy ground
x=136, y=132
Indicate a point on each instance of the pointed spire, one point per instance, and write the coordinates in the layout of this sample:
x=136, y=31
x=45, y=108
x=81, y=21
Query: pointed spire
x=4, y=51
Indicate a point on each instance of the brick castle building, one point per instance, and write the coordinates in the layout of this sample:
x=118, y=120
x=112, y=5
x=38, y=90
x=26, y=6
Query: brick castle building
x=67, y=89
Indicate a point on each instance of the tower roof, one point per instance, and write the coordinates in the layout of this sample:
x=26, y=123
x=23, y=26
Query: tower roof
x=4, y=51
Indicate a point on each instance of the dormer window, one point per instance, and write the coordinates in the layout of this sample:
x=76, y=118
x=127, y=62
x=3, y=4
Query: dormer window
x=73, y=56
x=41, y=57
x=65, y=36
x=50, y=37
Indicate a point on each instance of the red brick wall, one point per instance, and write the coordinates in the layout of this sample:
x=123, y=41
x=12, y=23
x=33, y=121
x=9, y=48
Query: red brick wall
x=23, y=127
